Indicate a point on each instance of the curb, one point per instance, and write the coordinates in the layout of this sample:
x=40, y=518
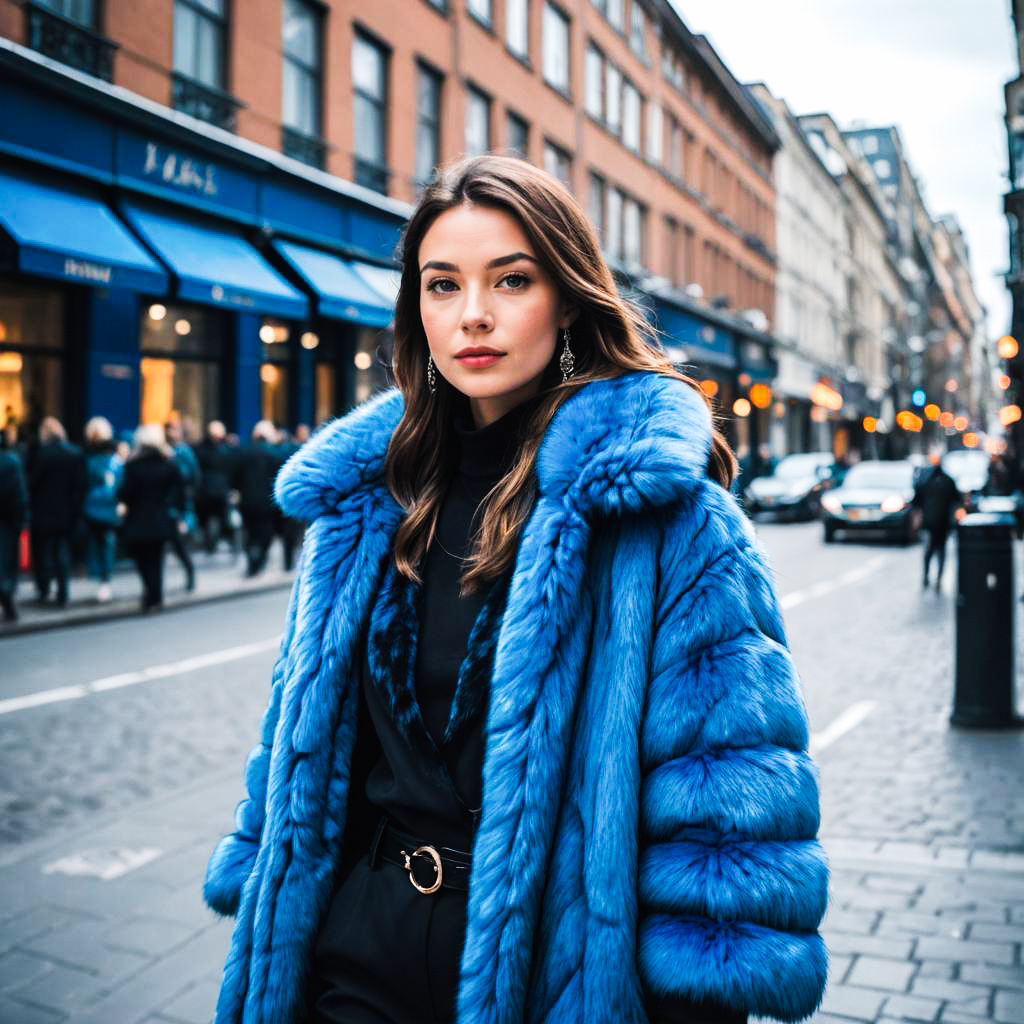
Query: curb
x=123, y=609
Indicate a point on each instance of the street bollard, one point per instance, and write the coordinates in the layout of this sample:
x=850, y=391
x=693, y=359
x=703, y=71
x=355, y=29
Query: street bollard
x=985, y=603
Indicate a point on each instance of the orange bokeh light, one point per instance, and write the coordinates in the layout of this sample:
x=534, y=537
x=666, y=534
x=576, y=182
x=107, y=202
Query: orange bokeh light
x=1009, y=414
x=741, y=407
x=946, y=419
x=1008, y=347
x=932, y=411
x=710, y=388
x=961, y=423
x=970, y=439
x=761, y=396
x=870, y=424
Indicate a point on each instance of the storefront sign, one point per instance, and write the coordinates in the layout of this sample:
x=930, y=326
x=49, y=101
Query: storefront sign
x=117, y=371
x=177, y=169
x=86, y=271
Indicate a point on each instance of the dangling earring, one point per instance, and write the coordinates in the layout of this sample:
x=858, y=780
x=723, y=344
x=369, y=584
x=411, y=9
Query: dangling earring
x=565, y=361
x=431, y=380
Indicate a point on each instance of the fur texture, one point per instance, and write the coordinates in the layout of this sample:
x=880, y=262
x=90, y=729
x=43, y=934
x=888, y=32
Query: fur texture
x=649, y=807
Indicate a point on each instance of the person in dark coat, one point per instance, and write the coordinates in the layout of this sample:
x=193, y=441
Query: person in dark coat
x=152, y=491
x=214, y=457
x=13, y=514
x=252, y=477
x=57, y=485
x=936, y=495
x=189, y=467
x=103, y=470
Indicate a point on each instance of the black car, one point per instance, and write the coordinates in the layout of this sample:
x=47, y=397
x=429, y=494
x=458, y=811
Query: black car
x=874, y=496
x=794, y=488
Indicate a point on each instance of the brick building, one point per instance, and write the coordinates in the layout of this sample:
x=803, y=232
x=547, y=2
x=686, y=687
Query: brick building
x=299, y=133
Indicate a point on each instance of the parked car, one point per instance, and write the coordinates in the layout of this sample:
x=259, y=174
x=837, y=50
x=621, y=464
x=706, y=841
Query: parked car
x=874, y=496
x=969, y=469
x=795, y=486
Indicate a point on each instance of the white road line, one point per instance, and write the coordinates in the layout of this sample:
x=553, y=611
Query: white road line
x=798, y=597
x=849, y=719
x=145, y=675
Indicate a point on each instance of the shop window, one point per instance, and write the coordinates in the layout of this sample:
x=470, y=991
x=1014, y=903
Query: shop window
x=182, y=348
x=275, y=371
x=31, y=356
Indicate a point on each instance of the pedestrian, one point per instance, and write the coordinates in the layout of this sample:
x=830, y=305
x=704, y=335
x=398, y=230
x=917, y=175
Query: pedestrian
x=13, y=515
x=56, y=484
x=254, y=469
x=937, y=497
x=103, y=477
x=214, y=458
x=186, y=518
x=151, y=492
x=535, y=748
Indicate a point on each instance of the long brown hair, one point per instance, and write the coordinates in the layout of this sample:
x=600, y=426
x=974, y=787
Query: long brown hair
x=609, y=338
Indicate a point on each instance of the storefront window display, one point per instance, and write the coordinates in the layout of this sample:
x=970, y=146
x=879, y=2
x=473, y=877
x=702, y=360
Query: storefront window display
x=275, y=372
x=31, y=355
x=182, y=348
x=352, y=364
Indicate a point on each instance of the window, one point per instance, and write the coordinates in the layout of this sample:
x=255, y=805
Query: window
x=633, y=221
x=478, y=122
x=632, y=107
x=81, y=11
x=428, y=122
x=595, y=203
x=200, y=30
x=556, y=48
x=274, y=371
x=883, y=169
x=481, y=10
x=594, y=85
x=672, y=69
x=672, y=250
x=517, y=136
x=613, y=98
x=613, y=224
x=689, y=267
x=638, y=31
x=870, y=144
x=517, y=26
x=655, y=133
x=614, y=11
x=558, y=162
x=302, y=73
x=369, y=77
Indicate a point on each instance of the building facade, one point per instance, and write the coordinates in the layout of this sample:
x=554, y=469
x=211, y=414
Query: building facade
x=252, y=165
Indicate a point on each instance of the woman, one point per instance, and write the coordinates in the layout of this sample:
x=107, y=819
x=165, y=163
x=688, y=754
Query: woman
x=564, y=779
x=103, y=472
x=152, y=491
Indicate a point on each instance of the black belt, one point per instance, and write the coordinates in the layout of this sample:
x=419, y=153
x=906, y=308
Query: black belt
x=430, y=867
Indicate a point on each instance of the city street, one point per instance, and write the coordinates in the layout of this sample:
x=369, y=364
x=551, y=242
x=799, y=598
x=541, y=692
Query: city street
x=121, y=754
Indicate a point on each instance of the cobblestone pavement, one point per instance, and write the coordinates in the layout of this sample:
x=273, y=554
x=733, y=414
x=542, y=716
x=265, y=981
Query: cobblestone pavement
x=923, y=824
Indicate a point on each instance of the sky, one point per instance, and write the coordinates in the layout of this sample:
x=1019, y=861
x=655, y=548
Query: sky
x=934, y=68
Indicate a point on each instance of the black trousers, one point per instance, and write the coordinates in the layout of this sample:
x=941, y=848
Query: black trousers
x=387, y=954
x=936, y=546
x=212, y=514
x=52, y=561
x=149, y=559
x=10, y=537
x=259, y=533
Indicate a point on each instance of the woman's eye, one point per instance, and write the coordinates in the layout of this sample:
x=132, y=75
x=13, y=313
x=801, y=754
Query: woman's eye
x=519, y=277
x=433, y=286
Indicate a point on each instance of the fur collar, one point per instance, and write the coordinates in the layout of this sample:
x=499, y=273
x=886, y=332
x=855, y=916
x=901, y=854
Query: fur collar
x=635, y=441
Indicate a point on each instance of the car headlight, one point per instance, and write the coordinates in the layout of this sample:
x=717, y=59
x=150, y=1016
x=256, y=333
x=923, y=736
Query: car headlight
x=832, y=504
x=894, y=503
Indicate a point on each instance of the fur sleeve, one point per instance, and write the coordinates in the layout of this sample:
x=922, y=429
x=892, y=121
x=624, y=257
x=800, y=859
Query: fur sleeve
x=732, y=880
x=235, y=855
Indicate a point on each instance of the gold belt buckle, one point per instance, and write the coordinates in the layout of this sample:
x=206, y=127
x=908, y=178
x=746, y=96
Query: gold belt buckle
x=424, y=851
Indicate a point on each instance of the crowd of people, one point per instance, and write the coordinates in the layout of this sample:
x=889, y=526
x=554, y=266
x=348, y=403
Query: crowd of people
x=138, y=496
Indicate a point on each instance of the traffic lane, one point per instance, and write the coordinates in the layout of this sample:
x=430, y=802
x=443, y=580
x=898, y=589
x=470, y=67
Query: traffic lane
x=80, y=654
x=63, y=763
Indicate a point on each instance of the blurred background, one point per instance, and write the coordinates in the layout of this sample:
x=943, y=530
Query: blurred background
x=816, y=205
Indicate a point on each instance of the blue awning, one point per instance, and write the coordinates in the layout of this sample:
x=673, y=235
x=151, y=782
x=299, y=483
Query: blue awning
x=342, y=287
x=701, y=341
x=71, y=235
x=215, y=265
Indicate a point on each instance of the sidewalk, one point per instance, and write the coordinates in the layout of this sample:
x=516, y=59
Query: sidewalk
x=217, y=576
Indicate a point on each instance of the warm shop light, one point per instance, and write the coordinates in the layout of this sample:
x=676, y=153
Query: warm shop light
x=268, y=373
x=995, y=445
x=970, y=440
x=826, y=397
x=10, y=362
x=1009, y=414
x=961, y=423
x=362, y=360
x=946, y=420
x=709, y=387
x=952, y=385
x=761, y=396
x=182, y=327
x=744, y=380
x=309, y=340
x=1007, y=347
x=741, y=407
x=1004, y=381
x=818, y=414
x=267, y=334
x=870, y=424
x=932, y=411
x=157, y=311
x=908, y=421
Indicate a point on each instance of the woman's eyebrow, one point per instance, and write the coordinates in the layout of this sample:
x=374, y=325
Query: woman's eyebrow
x=499, y=262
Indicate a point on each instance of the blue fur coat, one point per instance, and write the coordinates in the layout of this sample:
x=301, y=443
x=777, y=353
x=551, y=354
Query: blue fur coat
x=649, y=807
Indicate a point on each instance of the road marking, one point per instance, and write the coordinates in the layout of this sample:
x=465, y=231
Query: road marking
x=798, y=597
x=849, y=719
x=145, y=675
x=105, y=864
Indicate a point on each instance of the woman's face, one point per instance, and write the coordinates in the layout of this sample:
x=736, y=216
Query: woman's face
x=481, y=287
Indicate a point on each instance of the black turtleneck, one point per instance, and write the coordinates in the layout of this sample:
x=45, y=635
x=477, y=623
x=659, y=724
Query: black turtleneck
x=400, y=782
